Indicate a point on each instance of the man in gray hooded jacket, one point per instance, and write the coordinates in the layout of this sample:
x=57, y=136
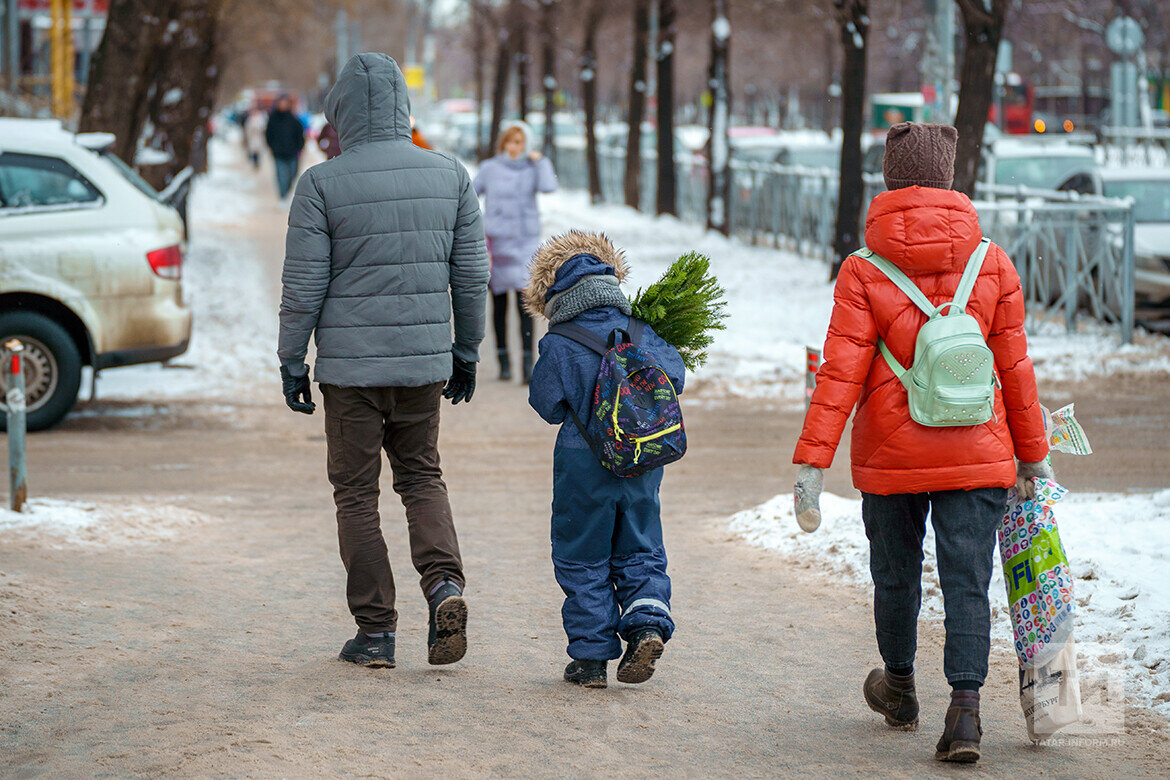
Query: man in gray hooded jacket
x=385, y=243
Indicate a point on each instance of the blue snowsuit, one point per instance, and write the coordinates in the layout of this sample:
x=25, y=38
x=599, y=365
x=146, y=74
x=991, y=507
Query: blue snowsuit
x=607, y=545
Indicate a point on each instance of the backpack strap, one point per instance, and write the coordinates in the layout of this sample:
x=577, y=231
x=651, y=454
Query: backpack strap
x=899, y=278
x=594, y=444
x=970, y=274
x=581, y=335
x=635, y=330
x=592, y=341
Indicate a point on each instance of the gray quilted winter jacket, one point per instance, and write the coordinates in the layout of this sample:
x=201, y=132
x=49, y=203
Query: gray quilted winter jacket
x=384, y=242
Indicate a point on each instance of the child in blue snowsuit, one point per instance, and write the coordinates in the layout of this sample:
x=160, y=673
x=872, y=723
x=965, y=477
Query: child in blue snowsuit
x=606, y=530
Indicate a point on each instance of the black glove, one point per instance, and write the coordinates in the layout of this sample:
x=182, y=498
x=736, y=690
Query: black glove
x=461, y=386
x=296, y=391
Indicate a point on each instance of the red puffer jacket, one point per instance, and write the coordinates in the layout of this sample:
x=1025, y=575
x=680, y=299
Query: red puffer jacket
x=928, y=233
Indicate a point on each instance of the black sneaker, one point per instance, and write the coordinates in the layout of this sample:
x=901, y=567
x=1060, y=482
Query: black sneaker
x=642, y=651
x=372, y=651
x=587, y=674
x=447, y=639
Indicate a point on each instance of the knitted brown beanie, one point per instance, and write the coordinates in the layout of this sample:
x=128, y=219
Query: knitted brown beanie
x=919, y=155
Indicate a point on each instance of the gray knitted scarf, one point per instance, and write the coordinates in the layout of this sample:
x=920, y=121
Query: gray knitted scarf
x=592, y=292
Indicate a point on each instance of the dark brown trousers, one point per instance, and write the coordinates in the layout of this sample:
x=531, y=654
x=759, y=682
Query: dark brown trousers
x=360, y=422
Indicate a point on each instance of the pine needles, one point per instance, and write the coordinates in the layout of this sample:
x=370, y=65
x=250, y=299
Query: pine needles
x=685, y=307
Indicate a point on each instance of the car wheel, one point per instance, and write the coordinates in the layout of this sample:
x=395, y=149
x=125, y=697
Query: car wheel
x=52, y=368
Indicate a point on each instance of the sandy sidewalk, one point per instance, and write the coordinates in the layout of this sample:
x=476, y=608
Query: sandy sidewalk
x=215, y=652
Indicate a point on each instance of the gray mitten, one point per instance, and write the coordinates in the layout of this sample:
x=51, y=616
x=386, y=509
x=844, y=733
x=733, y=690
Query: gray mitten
x=807, y=497
x=1025, y=472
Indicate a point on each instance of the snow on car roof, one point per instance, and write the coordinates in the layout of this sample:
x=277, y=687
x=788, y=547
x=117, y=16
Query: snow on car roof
x=786, y=139
x=21, y=128
x=34, y=134
x=751, y=131
x=1012, y=147
x=1144, y=173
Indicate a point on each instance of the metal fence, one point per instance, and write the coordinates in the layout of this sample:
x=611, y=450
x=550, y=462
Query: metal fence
x=1074, y=253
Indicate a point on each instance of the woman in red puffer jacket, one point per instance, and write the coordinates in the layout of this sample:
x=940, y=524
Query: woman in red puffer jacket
x=904, y=469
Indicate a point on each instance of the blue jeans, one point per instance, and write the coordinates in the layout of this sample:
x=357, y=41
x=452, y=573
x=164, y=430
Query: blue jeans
x=965, y=523
x=286, y=173
x=608, y=555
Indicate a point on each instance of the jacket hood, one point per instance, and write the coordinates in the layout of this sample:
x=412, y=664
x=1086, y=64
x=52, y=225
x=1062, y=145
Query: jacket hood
x=564, y=260
x=923, y=229
x=369, y=102
x=523, y=127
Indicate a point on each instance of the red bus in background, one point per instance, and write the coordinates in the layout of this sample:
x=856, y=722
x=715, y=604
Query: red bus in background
x=1015, y=97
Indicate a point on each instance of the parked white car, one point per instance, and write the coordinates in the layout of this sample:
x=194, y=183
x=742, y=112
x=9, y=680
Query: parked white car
x=90, y=263
x=1150, y=189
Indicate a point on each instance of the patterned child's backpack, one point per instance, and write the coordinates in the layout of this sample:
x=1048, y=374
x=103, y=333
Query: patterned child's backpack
x=635, y=422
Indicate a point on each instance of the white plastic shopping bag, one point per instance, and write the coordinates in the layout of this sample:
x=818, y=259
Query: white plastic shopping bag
x=1051, y=694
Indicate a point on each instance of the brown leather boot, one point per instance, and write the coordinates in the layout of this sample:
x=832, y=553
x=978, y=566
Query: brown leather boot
x=892, y=695
x=961, y=730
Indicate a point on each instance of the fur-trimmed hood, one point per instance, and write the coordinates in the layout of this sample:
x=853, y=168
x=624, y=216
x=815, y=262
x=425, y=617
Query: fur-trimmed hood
x=557, y=251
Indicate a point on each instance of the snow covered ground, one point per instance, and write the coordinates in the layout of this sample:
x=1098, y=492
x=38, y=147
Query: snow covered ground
x=779, y=303
x=1118, y=545
x=56, y=524
x=234, y=339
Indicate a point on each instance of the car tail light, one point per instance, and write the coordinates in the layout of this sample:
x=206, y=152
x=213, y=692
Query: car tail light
x=167, y=263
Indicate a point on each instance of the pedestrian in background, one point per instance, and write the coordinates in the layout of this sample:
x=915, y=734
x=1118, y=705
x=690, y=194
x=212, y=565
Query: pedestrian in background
x=958, y=474
x=416, y=135
x=328, y=141
x=286, y=138
x=255, y=126
x=509, y=183
x=385, y=243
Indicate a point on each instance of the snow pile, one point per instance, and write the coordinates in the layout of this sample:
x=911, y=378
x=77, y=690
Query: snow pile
x=779, y=303
x=225, y=195
x=1118, y=546
x=59, y=524
x=234, y=339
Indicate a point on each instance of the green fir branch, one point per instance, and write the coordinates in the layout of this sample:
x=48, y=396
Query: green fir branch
x=685, y=307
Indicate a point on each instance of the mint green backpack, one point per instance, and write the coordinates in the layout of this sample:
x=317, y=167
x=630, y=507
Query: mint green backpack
x=952, y=381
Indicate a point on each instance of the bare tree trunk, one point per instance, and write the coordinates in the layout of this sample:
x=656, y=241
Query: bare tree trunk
x=667, y=184
x=549, y=66
x=853, y=16
x=589, y=96
x=719, y=190
x=632, y=182
x=522, y=59
x=500, y=88
x=982, y=29
x=479, y=22
x=123, y=69
x=184, y=90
